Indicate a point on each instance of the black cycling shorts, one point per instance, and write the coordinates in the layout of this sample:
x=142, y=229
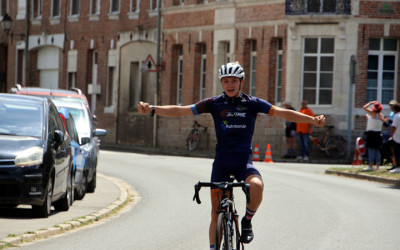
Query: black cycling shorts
x=240, y=165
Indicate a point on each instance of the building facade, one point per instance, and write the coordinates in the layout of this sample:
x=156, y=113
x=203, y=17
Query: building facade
x=291, y=50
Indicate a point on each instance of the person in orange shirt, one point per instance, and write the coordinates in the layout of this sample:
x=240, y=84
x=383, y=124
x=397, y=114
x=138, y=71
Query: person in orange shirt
x=303, y=131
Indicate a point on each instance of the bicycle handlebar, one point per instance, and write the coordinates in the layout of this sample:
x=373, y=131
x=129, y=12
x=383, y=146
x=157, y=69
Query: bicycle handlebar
x=222, y=186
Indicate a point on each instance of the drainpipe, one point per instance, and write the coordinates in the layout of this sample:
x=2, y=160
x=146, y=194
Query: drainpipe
x=158, y=92
x=26, y=51
x=352, y=75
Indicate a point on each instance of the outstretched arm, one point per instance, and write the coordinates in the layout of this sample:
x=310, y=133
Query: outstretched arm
x=168, y=110
x=295, y=116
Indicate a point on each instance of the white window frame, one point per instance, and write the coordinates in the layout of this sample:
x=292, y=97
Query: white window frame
x=253, y=66
x=72, y=5
x=278, y=80
x=115, y=12
x=179, y=78
x=52, y=9
x=381, y=53
x=134, y=9
x=318, y=72
x=97, y=4
x=203, y=71
x=38, y=8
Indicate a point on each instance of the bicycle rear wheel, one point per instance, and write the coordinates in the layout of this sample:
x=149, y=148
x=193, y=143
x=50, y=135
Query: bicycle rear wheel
x=336, y=147
x=193, y=140
x=221, y=239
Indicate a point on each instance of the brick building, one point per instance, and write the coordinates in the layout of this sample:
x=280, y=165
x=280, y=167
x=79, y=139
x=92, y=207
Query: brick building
x=291, y=50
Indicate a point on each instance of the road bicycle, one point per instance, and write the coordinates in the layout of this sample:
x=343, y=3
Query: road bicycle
x=228, y=233
x=193, y=139
x=334, y=146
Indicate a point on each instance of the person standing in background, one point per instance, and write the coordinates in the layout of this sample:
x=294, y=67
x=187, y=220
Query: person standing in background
x=290, y=134
x=395, y=135
x=374, y=133
x=303, y=132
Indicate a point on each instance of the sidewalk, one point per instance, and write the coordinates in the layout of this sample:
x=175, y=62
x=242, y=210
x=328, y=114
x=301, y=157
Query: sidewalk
x=19, y=225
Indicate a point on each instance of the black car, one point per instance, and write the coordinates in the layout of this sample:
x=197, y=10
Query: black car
x=85, y=181
x=35, y=155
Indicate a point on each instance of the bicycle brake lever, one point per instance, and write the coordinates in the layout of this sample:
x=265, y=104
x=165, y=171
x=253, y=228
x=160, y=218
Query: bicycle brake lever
x=196, y=194
x=246, y=190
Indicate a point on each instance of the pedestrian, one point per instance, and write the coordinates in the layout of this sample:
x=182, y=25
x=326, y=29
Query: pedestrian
x=290, y=134
x=303, y=132
x=395, y=135
x=234, y=115
x=386, y=134
x=374, y=133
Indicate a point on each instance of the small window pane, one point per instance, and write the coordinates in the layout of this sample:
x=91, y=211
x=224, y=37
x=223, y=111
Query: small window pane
x=310, y=80
x=373, y=62
x=374, y=44
x=327, y=45
x=372, y=81
x=387, y=95
x=310, y=63
x=329, y=6
x=311, y=45
x=371, y=95
x=313, y=6
x=309, y=95
x=388, y=80
x=388, y=62
x=327, y=63
x=279, y=61
x=326, y=80
x=325, y=96
x=390, y=44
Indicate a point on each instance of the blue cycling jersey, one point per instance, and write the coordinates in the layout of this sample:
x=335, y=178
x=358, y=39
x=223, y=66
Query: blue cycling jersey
x=234, y=119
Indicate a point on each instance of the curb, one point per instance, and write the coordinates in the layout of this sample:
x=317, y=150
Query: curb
x=365, y=177
x=127, y=194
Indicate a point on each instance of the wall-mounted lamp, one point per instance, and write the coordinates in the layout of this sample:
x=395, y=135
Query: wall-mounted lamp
x=6, y=23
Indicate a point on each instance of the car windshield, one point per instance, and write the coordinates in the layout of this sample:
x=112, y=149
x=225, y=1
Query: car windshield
x=22, y=118
x=82, y=122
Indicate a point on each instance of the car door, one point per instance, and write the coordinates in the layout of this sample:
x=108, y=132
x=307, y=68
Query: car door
x=61, y=152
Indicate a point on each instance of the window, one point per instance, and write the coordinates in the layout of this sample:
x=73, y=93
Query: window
x=135, y=6
x=301, y=7
x=114, y=6
x=203, y=71
x=318, y=61
x=71, y=81
x=153, y=4
x=55, y=9
x=321, y=6
x=177, y=2
x=36, y=8
x=279, y=71
x=75, y=7
x=109, y=86
x=179, y=80
x=253, y=64
x=94, y=7
x=381, y=77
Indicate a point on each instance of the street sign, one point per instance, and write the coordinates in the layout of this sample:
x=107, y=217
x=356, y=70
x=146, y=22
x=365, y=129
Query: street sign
x=150, y=65
x=360, y=145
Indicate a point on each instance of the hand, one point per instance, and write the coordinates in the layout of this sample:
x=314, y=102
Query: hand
x=319, y=120
x=144, y=108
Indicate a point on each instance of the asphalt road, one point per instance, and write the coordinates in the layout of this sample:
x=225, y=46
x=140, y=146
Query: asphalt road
x=302, y=209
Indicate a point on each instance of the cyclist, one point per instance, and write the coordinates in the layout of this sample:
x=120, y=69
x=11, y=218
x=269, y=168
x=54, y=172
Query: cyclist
x=234, y=115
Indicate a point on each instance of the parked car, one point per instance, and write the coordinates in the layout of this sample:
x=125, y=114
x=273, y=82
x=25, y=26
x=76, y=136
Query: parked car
x=73, y=95
x=77, y=154
x=89, y=142
x=35, y=155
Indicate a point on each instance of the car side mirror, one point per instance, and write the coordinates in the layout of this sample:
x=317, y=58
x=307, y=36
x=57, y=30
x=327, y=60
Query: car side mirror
x=85, y=140
x=100, y=132
x=58, y=138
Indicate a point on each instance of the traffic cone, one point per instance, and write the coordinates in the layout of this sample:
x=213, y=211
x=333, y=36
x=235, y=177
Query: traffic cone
x=256, y=154
x=357, y=160
x=268, y=157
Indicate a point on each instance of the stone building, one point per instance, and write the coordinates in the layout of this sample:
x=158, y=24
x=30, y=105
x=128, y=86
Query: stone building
x=291, y=50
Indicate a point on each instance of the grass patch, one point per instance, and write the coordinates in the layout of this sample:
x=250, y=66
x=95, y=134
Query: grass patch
x=382, y=172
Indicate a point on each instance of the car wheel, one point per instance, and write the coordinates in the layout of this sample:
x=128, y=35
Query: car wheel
x=64, y=203
x=81, y=191
x=92, y=183
x=43, y=211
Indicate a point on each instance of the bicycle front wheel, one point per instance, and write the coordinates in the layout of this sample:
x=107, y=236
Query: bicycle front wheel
x=336, y=147
x=193, y=139
x=221, y=239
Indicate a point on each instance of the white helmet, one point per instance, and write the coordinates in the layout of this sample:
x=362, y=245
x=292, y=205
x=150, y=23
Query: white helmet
x=231, y=69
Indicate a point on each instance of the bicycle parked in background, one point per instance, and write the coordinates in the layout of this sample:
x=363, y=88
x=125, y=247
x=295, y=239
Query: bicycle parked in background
x=228, y=233
x=334, y=146
x=193, y=139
